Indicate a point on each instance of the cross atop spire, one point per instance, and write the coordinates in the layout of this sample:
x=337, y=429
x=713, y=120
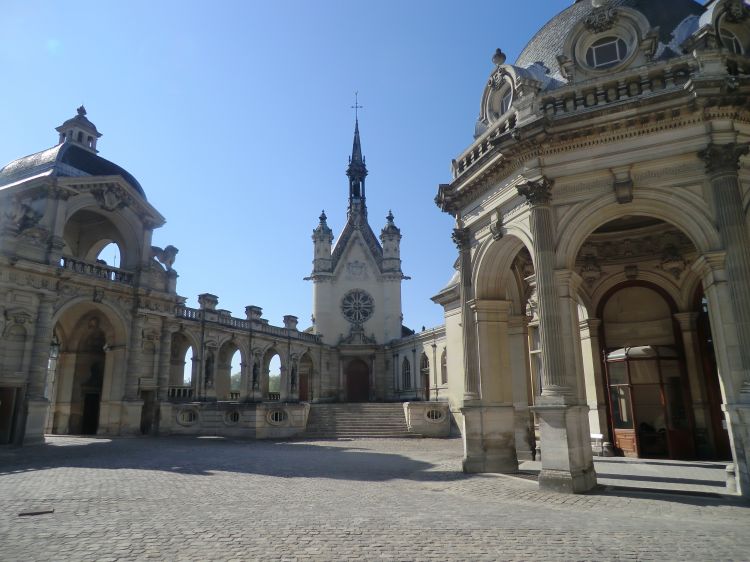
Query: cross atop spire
x=356, y=107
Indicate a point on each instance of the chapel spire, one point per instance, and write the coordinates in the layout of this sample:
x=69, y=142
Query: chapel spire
x=357, y=172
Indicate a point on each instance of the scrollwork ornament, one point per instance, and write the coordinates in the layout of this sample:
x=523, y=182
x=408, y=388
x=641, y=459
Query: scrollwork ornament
x=601, y=19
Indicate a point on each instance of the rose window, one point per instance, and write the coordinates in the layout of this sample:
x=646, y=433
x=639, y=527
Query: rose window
x=357, y=306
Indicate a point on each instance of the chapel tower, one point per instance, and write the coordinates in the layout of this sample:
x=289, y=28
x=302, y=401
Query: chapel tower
x=357, y=281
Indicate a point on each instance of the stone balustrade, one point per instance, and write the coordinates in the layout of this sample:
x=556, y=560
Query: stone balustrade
x=259, y=326
x=180, y=392
x=97, y=270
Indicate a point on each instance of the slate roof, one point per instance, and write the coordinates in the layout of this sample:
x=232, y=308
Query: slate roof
x=547, y=44
x=64, y=160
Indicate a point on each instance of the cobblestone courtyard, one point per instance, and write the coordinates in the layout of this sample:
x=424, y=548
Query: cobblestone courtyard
x=216, y=499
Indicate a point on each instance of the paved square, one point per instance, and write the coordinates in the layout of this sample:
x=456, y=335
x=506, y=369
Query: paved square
x=218, y=499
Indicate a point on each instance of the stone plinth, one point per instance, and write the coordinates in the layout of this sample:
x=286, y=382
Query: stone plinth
x=567, y=460
x=489, y=441
x=430, y=419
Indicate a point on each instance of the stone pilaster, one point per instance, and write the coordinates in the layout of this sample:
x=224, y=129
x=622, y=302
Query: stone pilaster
x=489, y=433
x=37, y=404
x=133, y=373
x=567, y=462
x=165, y=360
x=462, y=238
x=40, y=350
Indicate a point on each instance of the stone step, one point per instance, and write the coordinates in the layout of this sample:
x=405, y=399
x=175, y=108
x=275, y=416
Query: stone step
x=360, y=420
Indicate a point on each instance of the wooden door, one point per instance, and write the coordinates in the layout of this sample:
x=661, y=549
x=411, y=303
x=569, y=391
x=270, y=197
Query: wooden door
x=357, y=381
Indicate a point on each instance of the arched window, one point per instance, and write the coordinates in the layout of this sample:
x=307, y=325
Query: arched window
x=406, y=374
x=444, y=367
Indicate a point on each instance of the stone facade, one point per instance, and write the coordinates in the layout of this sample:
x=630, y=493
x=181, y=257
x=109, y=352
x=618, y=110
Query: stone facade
x=602, y=227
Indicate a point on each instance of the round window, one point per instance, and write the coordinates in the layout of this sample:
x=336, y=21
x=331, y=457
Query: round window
x=606, y=52
x=187, y=417
x=277, y=417
x=357, y=306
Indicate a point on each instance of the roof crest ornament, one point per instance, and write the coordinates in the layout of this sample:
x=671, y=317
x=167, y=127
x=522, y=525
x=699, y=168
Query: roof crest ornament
x=81, y=111
x=602, y=17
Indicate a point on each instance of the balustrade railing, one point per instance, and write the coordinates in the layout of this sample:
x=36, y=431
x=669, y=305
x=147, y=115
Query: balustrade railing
x=97, y=270
x=274, y=396
x=196, y=314
x=234, y=395
x=180, y=392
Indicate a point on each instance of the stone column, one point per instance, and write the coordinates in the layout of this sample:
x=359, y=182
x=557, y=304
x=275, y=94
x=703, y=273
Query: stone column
x=567, y=464
x=37, y=404
x=722, y=165
x=696, y=380
x=728, y=357
x=489, y=433
x=518, y=351
x=462, y=239
x=596, y=393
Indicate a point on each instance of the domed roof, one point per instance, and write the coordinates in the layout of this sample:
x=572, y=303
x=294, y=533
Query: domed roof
x=64, y=160
x=548, y=43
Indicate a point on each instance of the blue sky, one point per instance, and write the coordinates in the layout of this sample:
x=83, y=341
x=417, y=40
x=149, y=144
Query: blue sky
x=235, y=117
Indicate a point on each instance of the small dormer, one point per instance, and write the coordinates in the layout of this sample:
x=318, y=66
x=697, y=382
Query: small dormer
x=79, y=130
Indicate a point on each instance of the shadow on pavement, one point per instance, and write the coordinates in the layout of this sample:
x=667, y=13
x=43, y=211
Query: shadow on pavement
x=205, y=456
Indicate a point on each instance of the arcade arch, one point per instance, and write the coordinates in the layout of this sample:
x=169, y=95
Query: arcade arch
x=90, y=370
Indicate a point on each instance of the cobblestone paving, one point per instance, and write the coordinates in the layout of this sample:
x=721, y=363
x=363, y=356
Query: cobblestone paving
x=215, y=499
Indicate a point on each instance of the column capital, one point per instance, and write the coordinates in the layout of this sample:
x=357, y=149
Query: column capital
x=686, y=320
x=591, y=324
x=490, y=310
x=537, y=192
x=461, y=238
x=567, y=279
x=709, y=263
x=723, y=158
x=517, y=324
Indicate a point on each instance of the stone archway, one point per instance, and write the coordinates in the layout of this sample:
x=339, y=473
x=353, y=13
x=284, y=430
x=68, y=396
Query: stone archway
x=357, y=375
x=90, y=371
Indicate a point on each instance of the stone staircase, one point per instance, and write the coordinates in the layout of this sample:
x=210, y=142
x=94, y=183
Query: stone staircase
x=356, y=420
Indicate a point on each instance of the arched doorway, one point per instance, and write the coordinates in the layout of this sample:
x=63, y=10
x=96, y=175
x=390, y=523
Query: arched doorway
x=645, y=377
x=357, y=381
